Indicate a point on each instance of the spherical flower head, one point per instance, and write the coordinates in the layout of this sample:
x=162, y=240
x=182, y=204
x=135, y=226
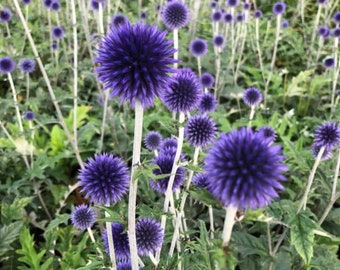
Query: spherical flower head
x=338, y=92
x=164, y=161
x=213, y=4
x=198, y=47
x=47, y=3
x=104, y=179
x=27, y=65
x=144, y=15
x=244, y=170
x=153, y=140
x=175, y=15
x=327, y=135
x=58, y=32
x=55, y=5
x=94, y=4
x=336, y=17
x=232, y=3
x=183, y=93
x=54, y=45
x=246, y=6
x=258, y=14
x=336, y=32
x=135, y=62
x=252, y=96
x=83, y=217
x=240, y=17
x=327, y=154
x=200, y=130
x=285, y=24
x=149, y=236
x=218, y=41
x=118, y=20
x=5, y=15
x=168, y=144
x=323, y=32
x=120, y=240
x=279, y=8
x=208, y=103
x=322, y=2
x=329, y=62
x=26, y=2
x=7, y=65
x=216, y=16
x=207, y=80
x=200, y=180
x=228, y=17
x=268, y=133
x=29, y=115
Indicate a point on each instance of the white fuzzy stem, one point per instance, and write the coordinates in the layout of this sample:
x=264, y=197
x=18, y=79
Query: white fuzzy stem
x=228, y=224
x=176, y=47
x=211, y=220
x=110, y=241
x=94, y=242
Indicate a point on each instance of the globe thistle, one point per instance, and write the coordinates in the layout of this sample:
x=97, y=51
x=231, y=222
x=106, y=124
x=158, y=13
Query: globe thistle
x=135, y=62
x=94, y=4
x=29, y=115
x=207, y=80
x=216, y=16
x=143, y=15
x=83, y=217
x=58, y=32
x=323, y=32
x=244, y=170
x=336, y=17
x=118, y=20
x=285, y=24
x=198, y=47
x=327, y=154
x=105, y=179
x=55, y=6
x=47, y=3
x=218, y=41
x=120, y=241
x=149, y=235
x=208, y=103
x=240, y=17
x=7, y=65
x=183, y=93
x=200, y=180
x=327, y=135
x=279, y=8
x=336, y=32
x=268, y=133
x=168, y=144
x=153, y=140
x=252, y=96
x=26, y=2
x=258, y=14
x=175, y=15
x=232, y=3
x=227, y=17
x=27, y=65
x=200, y=130
x=329, y=62
x=246, y=6
x=213, y=4
x=164, y=161
x=54, y=45
x=5, y=15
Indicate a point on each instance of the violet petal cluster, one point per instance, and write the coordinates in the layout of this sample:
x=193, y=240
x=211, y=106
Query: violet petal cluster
x=120, y=240
x=149, y=236
x=83, y=217
x=208, y=103
x=175, y=15
x=200, y=130
x=327, y=135
x=153, y=140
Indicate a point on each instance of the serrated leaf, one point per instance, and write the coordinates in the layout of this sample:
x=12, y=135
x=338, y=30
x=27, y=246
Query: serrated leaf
x=8, y=234
x=250, y=245
x=59, y=219
x=294, y=88
x=203, y=196
x=282, y=261
x=82, y=115
x=13, y=210
x=302, y=235
x=58, y=139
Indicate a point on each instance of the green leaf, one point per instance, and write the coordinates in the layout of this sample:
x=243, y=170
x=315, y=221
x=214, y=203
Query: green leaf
x=250, y=245
x=82, y=115
x=295, y=88
x=13, y=210
x=302, y=235
x=58, y=139
x=59, y=219
x=203, y=196
x=325, y=257
x=8, y=234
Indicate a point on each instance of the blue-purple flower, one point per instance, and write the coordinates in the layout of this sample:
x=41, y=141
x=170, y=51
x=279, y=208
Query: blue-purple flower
x=268, y=132
x=198, y=47
x=327, y=135
x=104, y=179
x=135, y=62
x=175, y=15
x=329, y=62
x=7, y=65
x=279, y=8
x=252, y=96
x=26, y=2
x=336, y=32
x=94, y=4
x=244, y=170
x=207, y=80
x=55, y=5
x=5, y=15
x=118, y=20
x=27, y=65
x=257, y=14
x=336, y=17
x=83, y=217
x=232, y=3
x=200, y=130
x=200, y=180
x=323, y=31
x=149, y=236
x=58, y=32
x=208, y=103
x=120, y=241
x=315, y=149
x=29, y=115
x=153, y=140
x=227, y=17
x=216, y=16
x=218, y=41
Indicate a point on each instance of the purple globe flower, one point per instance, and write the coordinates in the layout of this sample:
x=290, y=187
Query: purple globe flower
x=285, y=24
x=153, y=140
x=55, y=5
x=329, y=62
x=327, y=135
x=240, y=17
x=175, y=15
x=149, y=236
x=26, y=2
x=120, y=241
x=168, y=144
x=228, y=17
x=94, y=4
x=218, y=41
x=246, y=6
x=105, y=179
x=5, y=15
x=279, y=8
x=135, y=62
x=118, y=20
x=27, y=65
x=83, y=217
x=47, y=3
x=164, y=161
x=200, y=130
x=252, y=96
x=216, y=16
x=200, y=180
x=336, y=32
x=198, y=47
x=232, y=3
x=268, y=133
x=54, y=45
x=58, y=32
x=257, y=14
x=29, y=115
x=323, y=32
x=327, y=154
x=183, y=93
x=244, y=170
x=336, y=17
x=213, y=4
x=7, y=65
x=207, y=104
x=144, y=15
x=207, y=80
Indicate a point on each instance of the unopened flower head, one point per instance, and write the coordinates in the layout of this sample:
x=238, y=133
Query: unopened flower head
x=252, y=96
x=83, y=217
x=285, y=24
x=208, y=103
x=153, y=140
x=198, y=47
x=329, y=62
x=175, y=15
x=227, y=17
x=336, y=17
x=55, y=5
x=336, y=32
x=216, y=16
x=149, y=236
x=27, y=65
x=29, y=115
x=240, y=17
x=207, y=80
x=26, y=2
x=258, y=14
x=120, y=240
x=232, y=3
x=218, y=41
x=200, y=130
x=323, y=32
